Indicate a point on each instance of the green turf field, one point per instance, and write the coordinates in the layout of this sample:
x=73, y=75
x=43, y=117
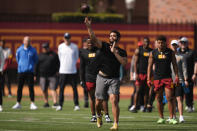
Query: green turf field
x=68, y=120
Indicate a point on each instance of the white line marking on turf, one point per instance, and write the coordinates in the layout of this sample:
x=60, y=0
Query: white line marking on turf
x=122, y=125
x=10, y=130
x=55, y=113
x=85, y=115
x=62, y=118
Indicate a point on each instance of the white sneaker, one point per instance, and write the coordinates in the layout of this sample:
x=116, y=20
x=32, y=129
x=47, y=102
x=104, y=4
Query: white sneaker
x=186, y=108
x=76, y=108
x=167, y=120
x=1, y=108
x=33, y=106
x=181, y=119
x=9, y=96
x=132, y=108
x=107, y=118
x=58, y=108
x=17, y=106
x=141, y=108
x=189, y=110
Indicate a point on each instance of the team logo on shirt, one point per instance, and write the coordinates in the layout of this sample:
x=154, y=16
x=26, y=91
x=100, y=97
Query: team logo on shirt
x=90, y=55
x=146, y=54
x=161, y=56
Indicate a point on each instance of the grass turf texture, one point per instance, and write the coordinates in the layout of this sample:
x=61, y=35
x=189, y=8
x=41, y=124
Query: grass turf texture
x=47, y=119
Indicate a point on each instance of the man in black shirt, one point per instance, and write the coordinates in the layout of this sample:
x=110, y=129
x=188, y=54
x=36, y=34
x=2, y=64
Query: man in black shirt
x=162, y=57
x=82, y=82
x=89, y=64
x=140, y=69
x=108, y=77
x=47, y=68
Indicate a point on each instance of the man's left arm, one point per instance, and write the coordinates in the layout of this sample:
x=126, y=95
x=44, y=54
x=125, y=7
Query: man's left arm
x=175, y=68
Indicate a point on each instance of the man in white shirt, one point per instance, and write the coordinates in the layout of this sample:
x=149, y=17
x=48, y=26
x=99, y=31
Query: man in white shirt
x=68, y=54
x=1, y=76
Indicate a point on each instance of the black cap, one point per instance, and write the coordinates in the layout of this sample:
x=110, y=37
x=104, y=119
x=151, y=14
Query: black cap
x=45, y=45
x=67, y=36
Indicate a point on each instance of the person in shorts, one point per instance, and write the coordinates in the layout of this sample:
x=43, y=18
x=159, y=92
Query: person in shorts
x=140, y=68
x=47, y=68
x=189, y=57
x=182, y=72
x=107, y=81
x=162, y=57
x=89, y=64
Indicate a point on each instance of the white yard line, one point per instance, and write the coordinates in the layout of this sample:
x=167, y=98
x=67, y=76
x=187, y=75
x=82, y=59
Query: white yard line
x=122, y=124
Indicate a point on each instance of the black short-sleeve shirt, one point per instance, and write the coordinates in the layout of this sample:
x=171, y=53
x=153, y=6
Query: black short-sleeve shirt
x=162, y=61
x=143, y=59
x=109, y=63
x=89, y=64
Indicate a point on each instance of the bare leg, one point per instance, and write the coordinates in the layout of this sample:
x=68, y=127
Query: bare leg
x=45, y=94
x=54, y=96
x=180, y=104
x=98, y=106
x=115, y=107
x=92, y=101
x=159, y=96
x=169, y=96
x=105, y=106
x=136, y=95
x=146, y=96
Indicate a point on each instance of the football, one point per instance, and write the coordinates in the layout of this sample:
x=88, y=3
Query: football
x=85, y=8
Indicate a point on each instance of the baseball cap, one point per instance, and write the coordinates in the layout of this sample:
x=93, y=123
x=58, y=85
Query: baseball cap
x=184, y=39
x=174, y=42
x=45, y=45
x=139, y=43
x=67, y=36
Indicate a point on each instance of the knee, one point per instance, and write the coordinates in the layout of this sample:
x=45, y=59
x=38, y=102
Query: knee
x=169, y=98
x=114, y=99
x=160, y=99
x=137, y=89
x=92, y=98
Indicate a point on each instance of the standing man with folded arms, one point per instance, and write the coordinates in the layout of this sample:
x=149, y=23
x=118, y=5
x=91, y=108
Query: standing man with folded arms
x=108, y=77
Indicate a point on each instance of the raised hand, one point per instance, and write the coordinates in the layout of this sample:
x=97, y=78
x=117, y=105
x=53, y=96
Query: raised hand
x=113, y=50
x=87, y=21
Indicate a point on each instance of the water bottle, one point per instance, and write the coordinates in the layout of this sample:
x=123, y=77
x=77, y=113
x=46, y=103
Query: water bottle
x=164, y=98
